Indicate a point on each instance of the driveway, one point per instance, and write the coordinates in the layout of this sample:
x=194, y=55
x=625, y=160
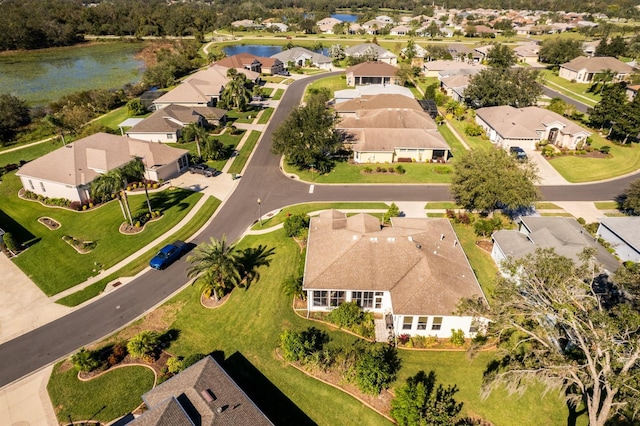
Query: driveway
x=219, y=186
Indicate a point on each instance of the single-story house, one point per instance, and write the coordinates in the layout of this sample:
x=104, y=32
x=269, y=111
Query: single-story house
x=433, y=68
x=583, y=69
x=374, y=72
x=632, y=91
x=527, y=53
x=482, y=51
x=202, y=89
x=623, y=235
x=462, y=52
x=371, y=102
x=251, y=62
x=299, y=57
x=326, y=25
x=340, y=96
x=507, y=126
x=563, y=234
x=202, y=394
x=381, y=54
x=373, y=26
x=455, y=85
x=390, y=145
x=68, y=172
x=400, y=30
x=278, y=27
x=411, y=274
x=246, y=23
x=165, y=125
x=390, y=118
x=589, y=47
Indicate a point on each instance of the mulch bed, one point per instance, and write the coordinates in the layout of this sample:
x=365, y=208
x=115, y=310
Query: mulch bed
x=211, y=303
x=157, y=365
x=485, y=245
x=127, y=229
x=49, y=223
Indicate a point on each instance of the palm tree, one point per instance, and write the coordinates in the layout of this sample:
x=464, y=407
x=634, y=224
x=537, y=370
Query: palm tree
x=249, y=260
x=110, y=183
x=215, y=266
x=135, y=170
x=197, y=132
x=236, y=94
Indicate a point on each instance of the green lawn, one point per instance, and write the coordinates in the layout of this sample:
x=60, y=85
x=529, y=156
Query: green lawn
x=200, y=218
x=273, y=79
x=267, y=91
x=117, y=116
x=247, y=117
x=352, y=173
x=577, y=91
x=53, y=264
x=474, y=142
x=333, y=83
x=311, y=207
x=606, y=205
x=278, y=95
x=442, y=205
x=247, y=148
x=623, y=159
x=29, y=153
x=547, y=206
x=245, y=331
x=105, y=398
x=226, y=138
x=457, y=149
x=265, y=116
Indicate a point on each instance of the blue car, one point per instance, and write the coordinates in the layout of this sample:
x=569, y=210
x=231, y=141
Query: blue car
x=168, y=254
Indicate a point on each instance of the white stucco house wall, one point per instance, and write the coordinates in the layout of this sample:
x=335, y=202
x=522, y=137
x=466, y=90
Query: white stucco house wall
x=623, y=234
x=381, y=54
x=584, y=70
x=299, y=57
x=68, y=171
x=411, y=274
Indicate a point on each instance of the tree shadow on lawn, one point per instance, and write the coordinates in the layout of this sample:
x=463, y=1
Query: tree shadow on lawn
x=273, y=403
x=170, y=198
x=20, y=233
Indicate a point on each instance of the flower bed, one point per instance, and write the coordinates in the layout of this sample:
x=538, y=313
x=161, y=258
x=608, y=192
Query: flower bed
x=49, y=223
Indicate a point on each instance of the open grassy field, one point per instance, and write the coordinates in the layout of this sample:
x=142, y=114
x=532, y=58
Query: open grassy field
x=52, y=263
x=246, y=329
x=622, y=159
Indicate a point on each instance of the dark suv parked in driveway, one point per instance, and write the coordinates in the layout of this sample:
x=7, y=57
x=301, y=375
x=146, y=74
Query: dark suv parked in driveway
x=519, y=153
x=203, y=169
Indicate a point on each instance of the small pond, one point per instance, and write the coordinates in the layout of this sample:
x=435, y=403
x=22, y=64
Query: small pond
x=264, y=51
x=345, y=17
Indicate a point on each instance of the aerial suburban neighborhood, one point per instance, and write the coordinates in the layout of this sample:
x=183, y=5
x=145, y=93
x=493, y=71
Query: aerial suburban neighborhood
x=253, y=213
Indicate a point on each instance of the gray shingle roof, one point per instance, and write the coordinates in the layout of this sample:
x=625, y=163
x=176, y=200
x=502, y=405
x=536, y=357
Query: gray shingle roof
x=295, y=52
x=378, y=102
x=391, y=118
x=419, y=261
x=174, y=117
x=598, y=64
x=627, y=228
x=361, y=48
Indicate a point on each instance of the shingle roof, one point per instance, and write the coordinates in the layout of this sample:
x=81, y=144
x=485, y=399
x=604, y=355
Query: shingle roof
x=564, y=234
x=598, y=64
x=378, y=102
x=239, y=60
x=449, y=65
x=295, y=52
x=373, y=69
x=174, y=117
x=391, y=118
x=522, y=123
x=190, y=390
x=361, y=48
x=83, y=160
x=385, y=140
x=419, y=261
x=627, y=228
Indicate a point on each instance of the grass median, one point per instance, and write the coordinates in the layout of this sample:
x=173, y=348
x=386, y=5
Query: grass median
x=247, y=148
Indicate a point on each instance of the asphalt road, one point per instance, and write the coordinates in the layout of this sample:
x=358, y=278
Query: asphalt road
x=553, y=94
x=264, y=180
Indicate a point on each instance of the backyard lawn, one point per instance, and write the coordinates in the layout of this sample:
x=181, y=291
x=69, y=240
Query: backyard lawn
x=246, y=329
x=29, y=153
x=333, y=83
x=622, y=159
x=344, y=172
x=52, y=263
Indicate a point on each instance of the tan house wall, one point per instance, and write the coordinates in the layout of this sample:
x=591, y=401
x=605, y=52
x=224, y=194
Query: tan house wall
x=53, y=189
x=155, y=137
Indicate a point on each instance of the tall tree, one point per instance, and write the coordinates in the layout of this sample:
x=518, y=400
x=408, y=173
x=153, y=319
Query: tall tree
x=134, y=171
x=420, y=402
x=518, y=87
x=487, y=180
x=556, y=51
x=631, y=198
x=236, y=94
x=112, y=182
x=214, y=265
x=606, y=112
x=501, y=56
x=307, y=137
x=14, y=114
x=564, y=325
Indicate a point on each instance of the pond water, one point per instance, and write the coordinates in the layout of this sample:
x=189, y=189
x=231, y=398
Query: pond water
x=40, y=77
x=345, y=17
x=264, y=51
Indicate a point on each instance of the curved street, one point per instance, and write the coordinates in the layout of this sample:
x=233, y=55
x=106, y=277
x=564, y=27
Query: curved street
x=264, y=180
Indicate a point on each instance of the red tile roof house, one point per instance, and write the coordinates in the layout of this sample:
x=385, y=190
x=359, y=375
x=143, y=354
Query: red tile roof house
x=507, y=126
x=411, y=275
x=584, y=70
x=68, y=171
x=374, y=72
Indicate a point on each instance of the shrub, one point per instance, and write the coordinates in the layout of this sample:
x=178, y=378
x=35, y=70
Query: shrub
x=346, y=315
x=379, y=169
x=143, y=344
x=11, y=242
x=605, y=149
x=457, y=337
x=548, y=151
x=367, y=170
x=473, y=129
x=377, y=368
x=463, y=218
x=391, y=170
x=294, y=224
x=486, y=227
x=300, y=346
x=85, y=361
x=450, y=214
x=581, y=221
x=392, y=211
x=443, y=170
x=174, y=365
x=191, y=359
x=292, y=286
x=400, y=170
x=403, y=338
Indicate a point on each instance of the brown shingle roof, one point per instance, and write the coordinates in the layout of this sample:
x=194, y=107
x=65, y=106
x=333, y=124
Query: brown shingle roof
x=425, y=273
x=239, y=60
x=189, y=388
x=378, y=102
x=175, y=117
x=373, y=69
x=598, y=64
x=391, y=118
x=81, y=161
x=385, y=140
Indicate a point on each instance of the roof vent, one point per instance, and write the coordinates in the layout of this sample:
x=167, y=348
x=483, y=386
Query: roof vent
x=355, y=237
x=441, y=237
x=410, y=238
x=373, y=239
x=418, y=245
x=455, y=243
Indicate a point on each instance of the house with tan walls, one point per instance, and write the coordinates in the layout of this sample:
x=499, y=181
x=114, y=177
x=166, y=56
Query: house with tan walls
x=374, y=72
x=371, y=102
x=584, y=70
x=166, y=124
x=68, y=171
x=411, y=274
x=507, y=126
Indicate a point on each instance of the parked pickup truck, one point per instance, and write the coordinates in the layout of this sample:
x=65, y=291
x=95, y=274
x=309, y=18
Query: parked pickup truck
x=202, y=169
x=168, y=254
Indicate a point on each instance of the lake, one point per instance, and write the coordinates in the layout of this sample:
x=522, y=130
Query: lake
x=42, y=76
x=345, y=17
x=262, y=50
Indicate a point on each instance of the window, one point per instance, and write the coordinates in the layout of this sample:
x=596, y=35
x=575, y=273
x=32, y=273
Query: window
x=42, y=186
x=182, y=162
x=364, y=299
x=31, y=184
x=407, y=323
x=378, y=300
x=472, y=329
x=320, y=298
x=422, y=323
x=169, y=135
x=336, y=298
x=437, y=323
